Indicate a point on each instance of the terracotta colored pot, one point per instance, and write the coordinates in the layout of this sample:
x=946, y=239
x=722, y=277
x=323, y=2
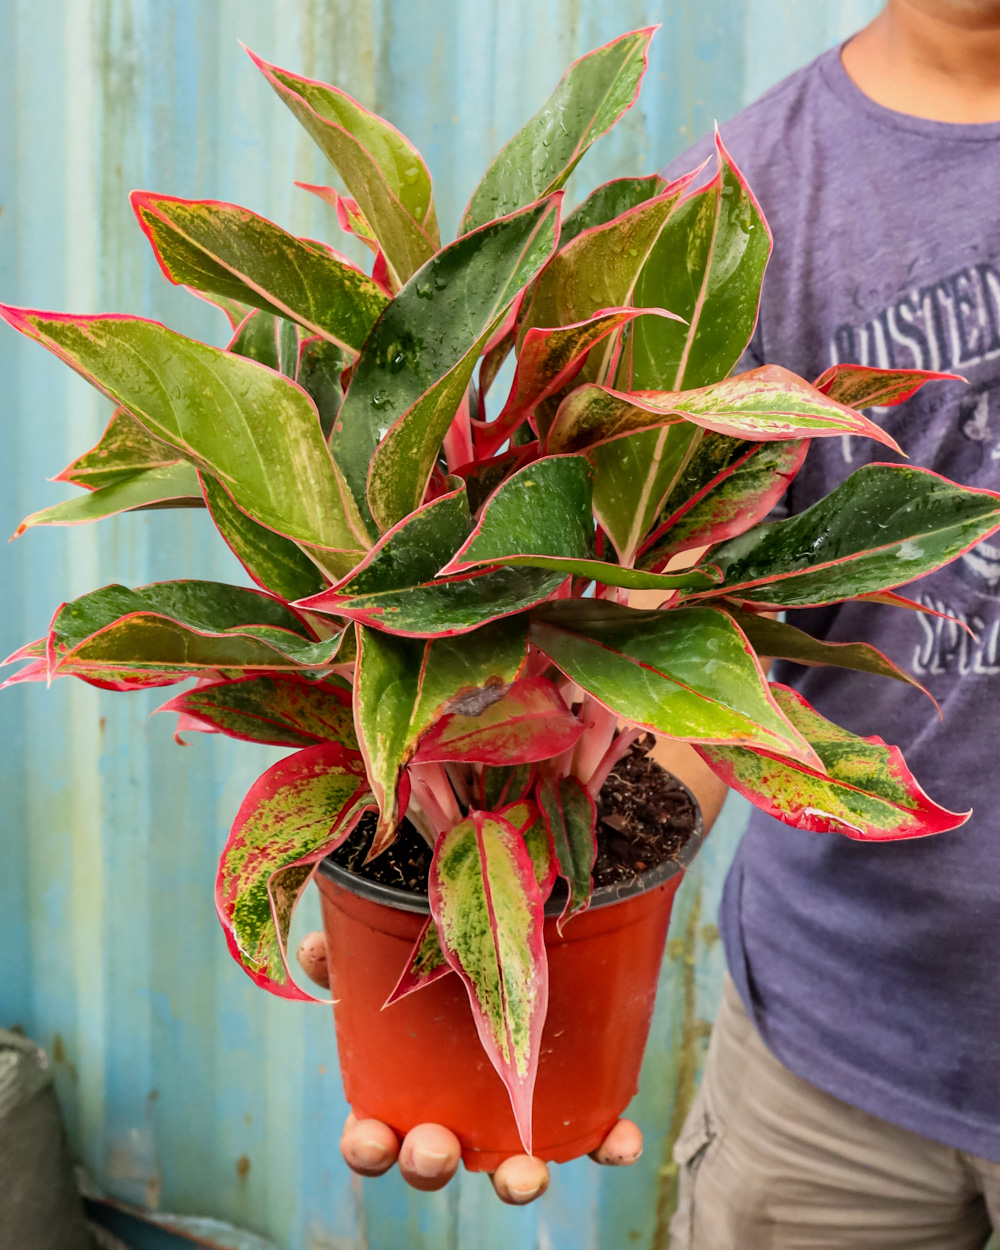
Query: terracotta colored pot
x=420, y=1059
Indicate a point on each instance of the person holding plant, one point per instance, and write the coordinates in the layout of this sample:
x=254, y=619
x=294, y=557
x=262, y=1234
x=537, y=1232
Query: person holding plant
x=852, y=1092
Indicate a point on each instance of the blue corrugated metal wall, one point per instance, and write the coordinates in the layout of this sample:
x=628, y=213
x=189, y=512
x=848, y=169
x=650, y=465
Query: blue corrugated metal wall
x=185, y=1087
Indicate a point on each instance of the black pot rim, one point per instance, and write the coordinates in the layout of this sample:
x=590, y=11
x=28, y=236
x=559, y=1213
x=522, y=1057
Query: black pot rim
x=604, y=896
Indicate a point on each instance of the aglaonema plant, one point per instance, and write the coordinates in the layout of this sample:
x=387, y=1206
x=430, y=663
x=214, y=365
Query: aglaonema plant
x=440, y=626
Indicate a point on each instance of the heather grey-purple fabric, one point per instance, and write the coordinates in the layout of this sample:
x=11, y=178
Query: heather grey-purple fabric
x=874, y=970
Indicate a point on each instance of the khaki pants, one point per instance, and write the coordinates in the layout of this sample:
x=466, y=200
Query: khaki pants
x=769, y=1162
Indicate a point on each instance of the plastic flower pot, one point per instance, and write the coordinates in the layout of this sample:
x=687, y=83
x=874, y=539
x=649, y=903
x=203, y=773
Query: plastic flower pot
x=420, y=1059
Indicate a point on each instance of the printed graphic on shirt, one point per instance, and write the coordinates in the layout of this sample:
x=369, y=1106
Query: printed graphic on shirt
x=948, y=648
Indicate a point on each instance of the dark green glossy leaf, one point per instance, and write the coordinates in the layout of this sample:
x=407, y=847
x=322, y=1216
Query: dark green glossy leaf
x=125, y=447
x=866, y=791
x=225, y=248
x=174, y=486
x=382, y=170
x=707, y=266
x=282, y=711
x=246, y=425
x=571, y=819
x=687, y=673
x=607, y=202
x=403, y=686
x=320, y=367
x=273, y=561
x=590, y=97
x=413, y=373
x=886, y=525
x=739, y=495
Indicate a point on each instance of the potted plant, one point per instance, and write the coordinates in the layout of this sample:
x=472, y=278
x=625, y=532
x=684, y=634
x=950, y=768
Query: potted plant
x=440, y=626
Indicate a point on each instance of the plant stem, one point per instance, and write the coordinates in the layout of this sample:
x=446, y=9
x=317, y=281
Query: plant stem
x=601, y=726
x=611, y=757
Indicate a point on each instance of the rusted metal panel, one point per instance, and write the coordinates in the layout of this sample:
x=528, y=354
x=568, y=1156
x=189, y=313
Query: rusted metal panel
x=184, y=1087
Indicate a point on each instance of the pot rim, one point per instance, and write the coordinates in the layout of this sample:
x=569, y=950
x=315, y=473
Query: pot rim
x=604, y=896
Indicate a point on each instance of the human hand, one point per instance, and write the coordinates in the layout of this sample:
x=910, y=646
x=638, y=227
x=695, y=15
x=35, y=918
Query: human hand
x=429, y=1154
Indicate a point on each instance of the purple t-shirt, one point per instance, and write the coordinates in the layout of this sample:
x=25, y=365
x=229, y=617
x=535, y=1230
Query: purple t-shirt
x=874, y=970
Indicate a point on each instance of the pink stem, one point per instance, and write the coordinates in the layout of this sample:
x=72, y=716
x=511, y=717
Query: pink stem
x=610, y=758
x=433, y=792
x=458, y=448
x=601, y=726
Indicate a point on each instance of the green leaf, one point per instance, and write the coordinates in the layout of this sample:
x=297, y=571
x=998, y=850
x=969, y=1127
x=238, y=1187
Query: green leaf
x=269, y=340
x=382, y=170
x=886, y=525
x=498, y=786
x=125, y=448
x=632, y=475
x=274, y=562
x=754, y=477
x=412, y=375
x=297, y=812
x=591, y=96
x=541, y=517
x=250, y=427
x=320, y=367
x=529, y=723
x=707, y=266
x=685, y=673
x=866, y=791
x=173, y=486
x=859, y=386
x=403, y=686
x=225, y=248
x=283, y=711
x=765, y=404
x=181, y=627
x=489, y=914
x=571, y=819
x=609, y=201
x=781, y=641
x=233, y=310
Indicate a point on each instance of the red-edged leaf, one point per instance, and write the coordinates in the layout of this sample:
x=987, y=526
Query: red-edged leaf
x=765, y=404
x=489, y=914
x=858, y=386
x=890, y=599
x=571, y=819
x=531, y=722
x=527, y=819
x=350, y=218
x=738, y=497
x=499, y=786
x=125, y=447
x=283, y=711
x=425, y=965
x=297, y=812
x=867, y=793
x=548, y=360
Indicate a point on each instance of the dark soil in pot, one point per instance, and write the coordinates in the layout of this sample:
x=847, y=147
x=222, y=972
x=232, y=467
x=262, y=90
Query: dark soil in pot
x=644, y=817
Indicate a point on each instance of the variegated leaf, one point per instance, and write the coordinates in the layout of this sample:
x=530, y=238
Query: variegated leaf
x=531, y=722
x=590, y=97
x=571, y=819
x=296, y=813
x=764, y=404
x=866, y=791
x=526, y=817
x=740, y=495
x=125, y=448
x=174, y=486
x=402, y=687
x=321, y=365
x=608, y=201
x=859, y=386
x=283, y=711
x=500, y=786
x=380, y=167
x=269, y=340
x=489, y=914
x=250, y=427
x=425, y=965
x=680, y=673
